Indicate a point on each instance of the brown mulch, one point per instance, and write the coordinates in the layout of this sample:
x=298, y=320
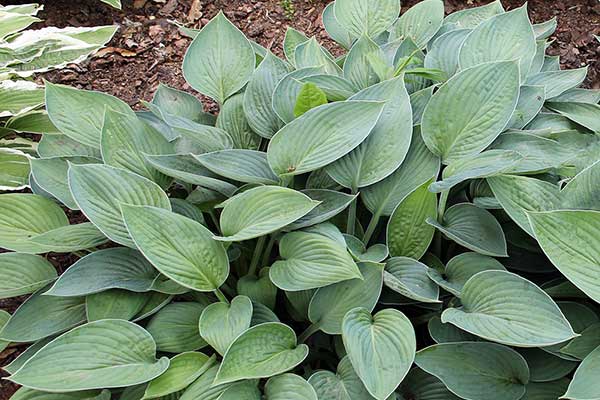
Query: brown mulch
x=148, y=49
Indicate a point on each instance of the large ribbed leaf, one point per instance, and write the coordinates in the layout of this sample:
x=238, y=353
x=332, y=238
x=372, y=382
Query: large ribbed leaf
x=232, y=120
x=418, y=167
x=79, y=114
x=420, y=23
x=558, y=82
x=506, y=308
x=221, y=323
x=100, y=190
x=262, y=210
x=546, y=390
x=381, y=348
x=183, y=369
x=330, y=303
x=248, y=166
x=585, y=114
x=576, y=254
x=289, y=387
x=504, y=37
x=407, y=232
x=173, y=102
x=471, y=17
x=15, y=169
x=420, y=385
x=312, y=54
x=580, y=192
x=23, y=216
x=179, y=247
x=259, y=93
x=385, y=148
x=332, y=203
x=23, y=274
x=454, y=129
x=474, y=228
x=444, y=51
x=101, y=354
x=262, y=351
x=71, y=238
x=531, y=100
x=285, y=94
x=259, y=288
x=409, y=278
x=321, y=136
x=114, y=304
x=367, y=17
x=585, y=384
x=474, y=370
x=311, y=261
x=58, y=145
x=333, y=28
x=31, y=394
x=545, y=367
x=342, y=385
x=358, y=67
x=203, y=387
x=220, y=60
x=175, y=327
x=520, y=194
x=244, y=390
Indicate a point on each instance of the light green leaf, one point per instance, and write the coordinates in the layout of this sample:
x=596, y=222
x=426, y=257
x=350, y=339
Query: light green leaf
x=259, y=288
x=79, y=114
x=576, y=255
x=386, y=147
x=473, y=228
x=335, y=87
x=114, y=304
x=262, y=210
x=248, y=166
x=506, y=308
x=455, y=133
x=418, y=101
x=376, y=253
x=321, y=136
x=407, y=232
x=286, y=92
x=71, y=238
x=113, y=3
x=4, y=317
x=196, y=138
x=31, y=394
x=310, y=96
x=475, y=370
x=101, y=354
x=175, y=327
x=289, y=387
x=203, y=387
x=262, y=351
x=557, y=82
x=173, y=102
x=585, y=383
x=462, y=267
x=583, y=345
x=221, y=323
x=366, y=17
x=232, y=120
x=220, y=60
x=330, y=303
x=420, y=385
x=343, y=385
x=503, y=37
x=177, y=246
x=15, y=168
x=331, y=204
x=409, y=278
x=23, y=274
x=23, y=216
x=579, y=95
x=420, y=22
x=448, y=333
x=381, y=348
x=311, y=261
x=539, y=153
x=183, y=369
x=100, y=190
x=244, y=390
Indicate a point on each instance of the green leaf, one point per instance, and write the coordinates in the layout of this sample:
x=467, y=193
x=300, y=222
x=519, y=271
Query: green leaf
x=331, y=204
x=475, y=370
x=177, y=246
x=506, y=308
x=443, y=54
x=531, y=100
x=358, y=67
x=448, y=333
x=583, y=113
x=183, y=369
x=366, y=17
x=114, y=304
x=58, y=145
x=221, y=323
x=420, y=22
x=203, y=388
x=546, y=390
x=312, y=54
x=343, y=385
x=289, y=387
x=335, y=87
x=262, y=351
x=545, y=367
x=232, y=120
x=15, y=168
x=321, y=136
x=286, y=92
x=583, y=345
x=418, y=101
x=4, y=317
x=259, y=288
x=473, y=228
x=557, y=82
x=175, y=327
x=113, y=3
x=471, y=17
x=101, y=354
x=386, y=147
x=248, y=166
x=420, y=385
x=409, y=278
x=381, y=348
x=462, y=267
x=23, y=216
x=575, y=255
x=71, y=238
x=220, y=60
x=452, y=130
x=330, y=304
x=23, y=274
x=311, y=261
x=177, y=103
x=539, y=153
x=310, y=96
x=262, y=210
x=503, y=37
x=245, y=390
x=31, y=394
x=79, y=114
x=334, y=29
x=418, y=167
x=407, y=232
x=585, y=384
x=376, y=253
x=291, y=40
x=259, y=94
x=100, y=190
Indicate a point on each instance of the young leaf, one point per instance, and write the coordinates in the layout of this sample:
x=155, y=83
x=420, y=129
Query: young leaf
x=221, y=323
x=310, y=96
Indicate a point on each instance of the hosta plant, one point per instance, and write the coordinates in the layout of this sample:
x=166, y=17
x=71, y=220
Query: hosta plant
x=417, y=218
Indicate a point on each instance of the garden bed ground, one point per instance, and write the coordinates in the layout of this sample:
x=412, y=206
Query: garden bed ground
x=148, y=49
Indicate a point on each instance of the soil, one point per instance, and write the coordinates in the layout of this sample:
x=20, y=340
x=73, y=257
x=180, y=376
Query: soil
x=148, y=49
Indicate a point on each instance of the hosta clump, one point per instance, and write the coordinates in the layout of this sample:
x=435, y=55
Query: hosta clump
x=416, y=219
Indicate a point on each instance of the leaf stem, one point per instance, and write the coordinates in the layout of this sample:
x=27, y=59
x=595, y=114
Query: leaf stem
x=352, y=213
x=437, y=239
x=260, y=244
x=221, y=296
x=215, y=220
x=371, y=227
x=267, y=253
x=308, y=332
